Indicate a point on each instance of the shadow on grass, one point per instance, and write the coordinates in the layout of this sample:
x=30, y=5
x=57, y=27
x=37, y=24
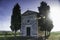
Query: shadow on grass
x=20, y=38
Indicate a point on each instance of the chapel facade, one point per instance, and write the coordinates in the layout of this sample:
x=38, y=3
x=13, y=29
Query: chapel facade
x=30, y=21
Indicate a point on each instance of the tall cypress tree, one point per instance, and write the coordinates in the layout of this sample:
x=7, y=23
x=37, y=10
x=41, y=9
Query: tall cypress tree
x=16, y=18
x=45, y=22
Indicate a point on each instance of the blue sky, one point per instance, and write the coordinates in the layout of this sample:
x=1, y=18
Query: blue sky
x=6, y=7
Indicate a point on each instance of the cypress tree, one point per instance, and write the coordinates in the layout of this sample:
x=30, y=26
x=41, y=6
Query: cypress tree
x=45, y=23
x=16, y=18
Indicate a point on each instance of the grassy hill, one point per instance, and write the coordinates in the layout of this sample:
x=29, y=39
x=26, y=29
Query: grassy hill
x=54, y=36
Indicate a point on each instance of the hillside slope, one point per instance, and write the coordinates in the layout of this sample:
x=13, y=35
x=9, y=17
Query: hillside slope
x=54, y=36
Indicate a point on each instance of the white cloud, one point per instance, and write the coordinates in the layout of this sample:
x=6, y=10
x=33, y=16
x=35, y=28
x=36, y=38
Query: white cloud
x=5, y=24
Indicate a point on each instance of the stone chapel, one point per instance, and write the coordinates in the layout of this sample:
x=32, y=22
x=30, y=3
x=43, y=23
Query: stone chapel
x=30, y=24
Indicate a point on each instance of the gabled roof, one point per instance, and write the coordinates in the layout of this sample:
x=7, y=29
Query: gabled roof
x=29, y=12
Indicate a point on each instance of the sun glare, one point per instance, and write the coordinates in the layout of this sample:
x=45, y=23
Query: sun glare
x=55, y=16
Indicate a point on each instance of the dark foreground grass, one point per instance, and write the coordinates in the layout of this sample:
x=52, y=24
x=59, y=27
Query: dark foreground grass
x=19, y=38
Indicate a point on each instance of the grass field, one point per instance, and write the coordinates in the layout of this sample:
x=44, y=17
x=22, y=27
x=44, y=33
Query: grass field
x=10, y=36
x=54, y=36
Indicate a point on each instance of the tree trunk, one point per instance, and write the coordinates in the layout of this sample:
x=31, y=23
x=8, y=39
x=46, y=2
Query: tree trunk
x=45, y=34
x=15, y=35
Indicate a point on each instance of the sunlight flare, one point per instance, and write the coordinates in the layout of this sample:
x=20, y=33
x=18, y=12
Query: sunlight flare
x=55, y=16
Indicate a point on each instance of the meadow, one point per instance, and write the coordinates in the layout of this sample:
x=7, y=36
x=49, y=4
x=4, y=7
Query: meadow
x=54, y=36
x=10, y=36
